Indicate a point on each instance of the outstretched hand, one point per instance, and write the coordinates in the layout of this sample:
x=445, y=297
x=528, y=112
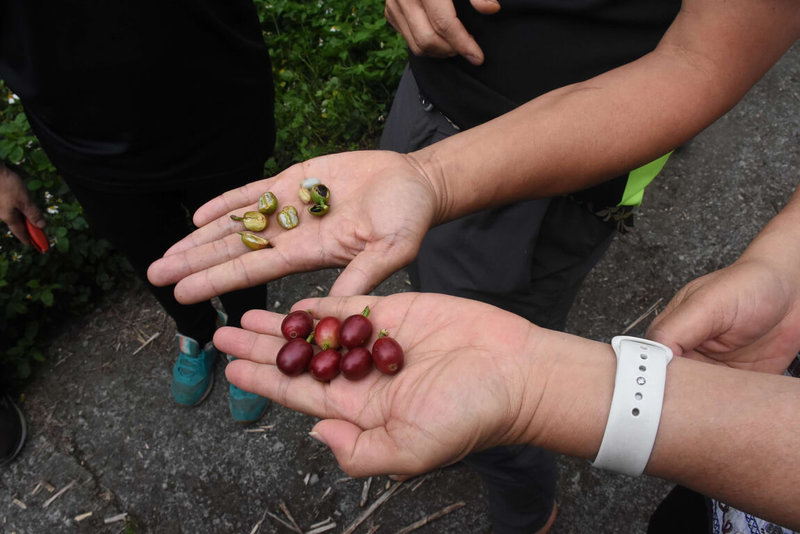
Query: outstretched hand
x=461, y=389
x=380, y=208
x=745, y=316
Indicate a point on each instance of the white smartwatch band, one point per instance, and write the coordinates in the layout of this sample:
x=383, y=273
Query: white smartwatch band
x=636, y=406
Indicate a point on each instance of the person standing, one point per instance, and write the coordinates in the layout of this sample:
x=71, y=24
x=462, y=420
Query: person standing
x=147, y=109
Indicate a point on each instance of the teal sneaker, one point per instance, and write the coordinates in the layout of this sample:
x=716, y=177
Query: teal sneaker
x=246, y=407
x=192, y=376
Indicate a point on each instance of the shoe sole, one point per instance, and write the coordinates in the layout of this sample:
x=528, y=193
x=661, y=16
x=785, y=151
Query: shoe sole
x=250, y=421
x=206, y=392
x=203, y=397
x=23, y=435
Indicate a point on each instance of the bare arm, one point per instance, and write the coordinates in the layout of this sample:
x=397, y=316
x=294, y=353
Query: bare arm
x=737, y=315
x=563, y=141
x=476, y=376
x=588, y=132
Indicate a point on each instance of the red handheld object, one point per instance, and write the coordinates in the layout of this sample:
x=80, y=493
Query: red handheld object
x=38, y=237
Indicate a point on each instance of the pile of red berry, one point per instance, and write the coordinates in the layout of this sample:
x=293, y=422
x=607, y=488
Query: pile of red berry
x=297, y=355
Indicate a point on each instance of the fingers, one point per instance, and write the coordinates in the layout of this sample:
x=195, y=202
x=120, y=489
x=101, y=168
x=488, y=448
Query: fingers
x=368, y=269
x=32, y=212
x=248, y=345
x=230, y=201
x=486, y=7
x=245, y=270
x=300, y=393
x=432, y=28
x=217, y=229
x=684, y=325
x=16, y=226
x=336, y=306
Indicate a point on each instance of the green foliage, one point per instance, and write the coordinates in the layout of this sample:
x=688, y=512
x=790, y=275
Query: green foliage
x=336, y=66
x=39, y=290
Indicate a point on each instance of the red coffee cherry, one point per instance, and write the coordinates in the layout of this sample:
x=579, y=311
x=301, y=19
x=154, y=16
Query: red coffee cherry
x=299, y=323
x=294, y=357
x=387, y=354
x=326, y=334
x=356, y=364
x=356, y=330
x=324, y=365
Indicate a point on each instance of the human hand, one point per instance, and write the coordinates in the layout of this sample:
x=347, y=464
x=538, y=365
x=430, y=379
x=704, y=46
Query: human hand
x=16, y=205
x=463, y=386
x=381, y=206
x=745, y=316
x=431, y=27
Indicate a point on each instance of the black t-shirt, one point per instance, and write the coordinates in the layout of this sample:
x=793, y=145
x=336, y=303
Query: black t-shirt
x=534, y=46
x=141, y=93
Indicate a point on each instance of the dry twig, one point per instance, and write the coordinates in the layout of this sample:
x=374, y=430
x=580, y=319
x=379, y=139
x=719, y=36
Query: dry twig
x=61, y=492
x=374, y=506
x=642, y=317
x=284, y=523
x=80, y=517
x=418, y=482
x=147, y=342
x=257, y=526
x=365, y=492
x=288, y=514
x=116, y=518
x=430, y=518
x=322, y=526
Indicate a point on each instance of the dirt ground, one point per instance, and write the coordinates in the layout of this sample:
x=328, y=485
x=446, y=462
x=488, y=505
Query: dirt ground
x=109, y=452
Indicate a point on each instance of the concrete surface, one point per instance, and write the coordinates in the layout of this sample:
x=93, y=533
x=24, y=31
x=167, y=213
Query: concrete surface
x=102, y=424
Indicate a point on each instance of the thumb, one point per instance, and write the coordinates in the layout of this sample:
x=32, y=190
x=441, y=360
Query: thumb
x=360, y=452
x=368, y=269
x=684, y=326
x=486, y=7
x=33, y=214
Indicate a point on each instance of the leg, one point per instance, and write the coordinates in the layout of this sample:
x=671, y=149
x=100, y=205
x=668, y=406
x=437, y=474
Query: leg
x=142, y=234
x=235, y=302
x=245, y=407
x=528, y=258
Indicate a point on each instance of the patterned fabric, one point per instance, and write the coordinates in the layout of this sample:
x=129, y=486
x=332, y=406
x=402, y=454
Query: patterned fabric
x=726, y=519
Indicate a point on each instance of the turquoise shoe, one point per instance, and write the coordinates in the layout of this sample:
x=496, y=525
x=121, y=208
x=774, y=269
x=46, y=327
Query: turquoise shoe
x=246, y=407
x=192, y=376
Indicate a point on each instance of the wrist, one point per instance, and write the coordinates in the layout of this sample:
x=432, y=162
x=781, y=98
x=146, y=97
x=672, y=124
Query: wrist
x=574, y=401
x=430, y=168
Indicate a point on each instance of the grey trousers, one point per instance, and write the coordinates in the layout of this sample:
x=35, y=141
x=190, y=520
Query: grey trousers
x=528, y=258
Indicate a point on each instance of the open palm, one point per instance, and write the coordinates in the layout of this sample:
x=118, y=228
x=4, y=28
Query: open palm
x=381, y=206
x=453, y=395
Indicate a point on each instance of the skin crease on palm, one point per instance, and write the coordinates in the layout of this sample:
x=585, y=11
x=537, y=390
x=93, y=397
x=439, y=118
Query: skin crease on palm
x=372, y=239
x=423, y=386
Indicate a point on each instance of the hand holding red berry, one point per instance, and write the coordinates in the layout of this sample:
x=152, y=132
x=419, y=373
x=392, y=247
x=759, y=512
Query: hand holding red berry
x=426, y=415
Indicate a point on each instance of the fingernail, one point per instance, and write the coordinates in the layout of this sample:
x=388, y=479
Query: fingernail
x=317, y=436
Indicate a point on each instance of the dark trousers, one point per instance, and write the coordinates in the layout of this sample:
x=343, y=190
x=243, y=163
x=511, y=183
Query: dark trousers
x=528, y=258
x=142, y=225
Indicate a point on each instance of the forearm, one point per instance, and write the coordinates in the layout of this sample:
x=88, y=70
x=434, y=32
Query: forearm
x=779, y=241
x=726, y=433
x=588, y=132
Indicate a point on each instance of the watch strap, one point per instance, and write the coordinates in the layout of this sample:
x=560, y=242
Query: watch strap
x=636, y=405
